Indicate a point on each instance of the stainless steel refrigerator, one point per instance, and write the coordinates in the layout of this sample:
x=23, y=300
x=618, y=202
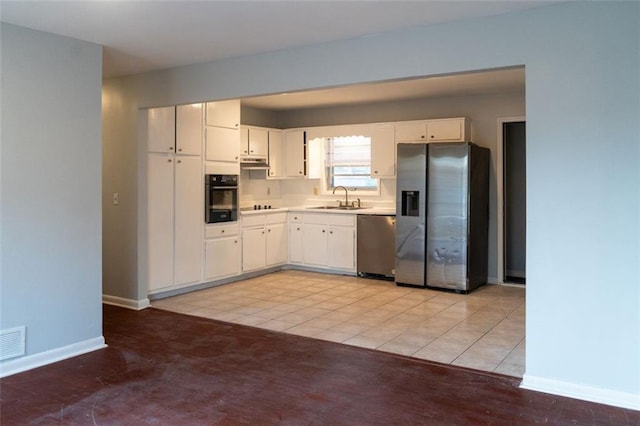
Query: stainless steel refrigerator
x=442, y=215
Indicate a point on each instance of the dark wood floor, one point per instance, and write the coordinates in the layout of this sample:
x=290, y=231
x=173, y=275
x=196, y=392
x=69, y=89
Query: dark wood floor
x=163, y=368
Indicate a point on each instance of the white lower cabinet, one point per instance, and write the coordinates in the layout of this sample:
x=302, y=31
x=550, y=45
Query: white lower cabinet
x=222, y=251
x=264, y=241
x=327, y=240
x=295, y=242
x=222, y=258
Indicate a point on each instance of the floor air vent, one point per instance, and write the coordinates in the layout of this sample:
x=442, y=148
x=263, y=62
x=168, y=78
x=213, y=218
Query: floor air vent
x=12, y=342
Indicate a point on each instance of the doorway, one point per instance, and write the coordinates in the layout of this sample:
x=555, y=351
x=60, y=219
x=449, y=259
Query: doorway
x=515, y=201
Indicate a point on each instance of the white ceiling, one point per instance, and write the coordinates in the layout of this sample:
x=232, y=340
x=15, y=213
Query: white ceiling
x=141, y=36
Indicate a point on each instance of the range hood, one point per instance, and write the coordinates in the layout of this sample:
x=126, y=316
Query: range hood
x=254, y=163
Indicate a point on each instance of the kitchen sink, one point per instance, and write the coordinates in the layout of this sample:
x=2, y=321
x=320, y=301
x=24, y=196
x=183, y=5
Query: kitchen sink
x=337, y=208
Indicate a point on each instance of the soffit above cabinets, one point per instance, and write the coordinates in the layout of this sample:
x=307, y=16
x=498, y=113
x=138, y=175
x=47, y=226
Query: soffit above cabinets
x=510, y=80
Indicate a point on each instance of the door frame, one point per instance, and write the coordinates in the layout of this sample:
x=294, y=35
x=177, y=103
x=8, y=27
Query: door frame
x=500, y=191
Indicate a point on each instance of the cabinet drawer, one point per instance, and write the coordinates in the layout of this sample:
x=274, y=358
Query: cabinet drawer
x=215, y=231
x=341, y=219
x=315, y=218
x=295, y=217
x=253, y=220
x=276, y=218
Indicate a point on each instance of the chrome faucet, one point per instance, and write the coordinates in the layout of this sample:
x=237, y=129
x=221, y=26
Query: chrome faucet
x=346, y=196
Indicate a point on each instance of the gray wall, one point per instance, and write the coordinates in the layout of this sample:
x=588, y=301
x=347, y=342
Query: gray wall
x=582, y=62
x=50, y=184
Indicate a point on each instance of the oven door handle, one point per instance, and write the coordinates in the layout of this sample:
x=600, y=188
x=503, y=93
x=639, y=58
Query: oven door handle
x=224, y=187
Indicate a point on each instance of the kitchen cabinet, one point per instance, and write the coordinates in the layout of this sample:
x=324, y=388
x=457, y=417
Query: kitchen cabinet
x=222, y=132
x=224, y=114
x=295, y=153
x=328, y=240
x=161, y=125
x=449, y=130
x=264, y=240
x=441, y=130
x=383, y=151
x=174, y=220
x=189, y=129
x=175, y=129
x=411, y=131
x=222, y=251
x=295, y=238
x=254, y=142
x=276, y=152
x=222, y=144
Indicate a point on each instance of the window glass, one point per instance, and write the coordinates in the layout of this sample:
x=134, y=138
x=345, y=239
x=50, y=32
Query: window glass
x=348, y=163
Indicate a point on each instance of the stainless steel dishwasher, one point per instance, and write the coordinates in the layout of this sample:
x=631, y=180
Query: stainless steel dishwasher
x=376, y=251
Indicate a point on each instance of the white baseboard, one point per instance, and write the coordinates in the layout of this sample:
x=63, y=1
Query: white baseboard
x=585, y=393
x=18, y=365
x=125, y=303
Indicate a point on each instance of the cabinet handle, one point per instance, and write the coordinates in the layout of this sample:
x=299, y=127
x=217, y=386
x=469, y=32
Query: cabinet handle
x=323, y=231
x=422, y=137
x=170, y=148
x=179, y=149
x=169, y=160
x=263, y=232
x=222, y=231
x=375, y=172
x=236, y=158
x=236, y=241
x=297, y=229
x=179, y=161
x=299, y=173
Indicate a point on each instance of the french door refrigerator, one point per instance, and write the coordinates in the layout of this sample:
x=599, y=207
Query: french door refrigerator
x=442, y=215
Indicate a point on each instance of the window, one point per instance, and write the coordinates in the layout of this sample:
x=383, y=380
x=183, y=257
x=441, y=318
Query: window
x=348, y=163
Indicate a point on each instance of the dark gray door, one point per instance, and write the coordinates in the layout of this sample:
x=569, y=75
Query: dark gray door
x=515, y=201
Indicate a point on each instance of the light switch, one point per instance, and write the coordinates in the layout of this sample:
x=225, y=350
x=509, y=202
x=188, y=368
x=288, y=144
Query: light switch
x=116, y=199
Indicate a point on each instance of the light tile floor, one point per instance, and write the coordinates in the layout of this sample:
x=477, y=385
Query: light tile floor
x=483, y=330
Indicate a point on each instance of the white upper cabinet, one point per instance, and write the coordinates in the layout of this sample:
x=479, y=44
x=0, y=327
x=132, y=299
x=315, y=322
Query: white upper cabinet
x=254, y=142
x=449, y=130
x=411, y=131
x=222, y=144
x=161, y=129
x=276, y=154
x=189, y=129
x=441, y=130
x=222, y=132
x=224, y=114
x=295, y=153
x=383, y=151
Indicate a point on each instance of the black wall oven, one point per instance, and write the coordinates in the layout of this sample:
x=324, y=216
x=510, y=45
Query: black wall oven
x=221, y=198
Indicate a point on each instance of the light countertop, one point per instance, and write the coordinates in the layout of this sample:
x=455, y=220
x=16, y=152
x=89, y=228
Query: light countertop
x=310, y=209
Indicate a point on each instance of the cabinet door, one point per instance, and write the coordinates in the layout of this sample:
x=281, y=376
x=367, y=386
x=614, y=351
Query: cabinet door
x=161, y=129
x=159, y=221
x=276, y=244
x=189, y=219
x=189, y=129
x=258, y=142
x=253, y=249
x=222, y=144
x=295, y=153
x=341, y=244
x=407, y=132
x=224, y=114
x=222, y=258
x=446, y=130
x=314, y=244
x=383, y=151
x=295, y=243
x=276, y=160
